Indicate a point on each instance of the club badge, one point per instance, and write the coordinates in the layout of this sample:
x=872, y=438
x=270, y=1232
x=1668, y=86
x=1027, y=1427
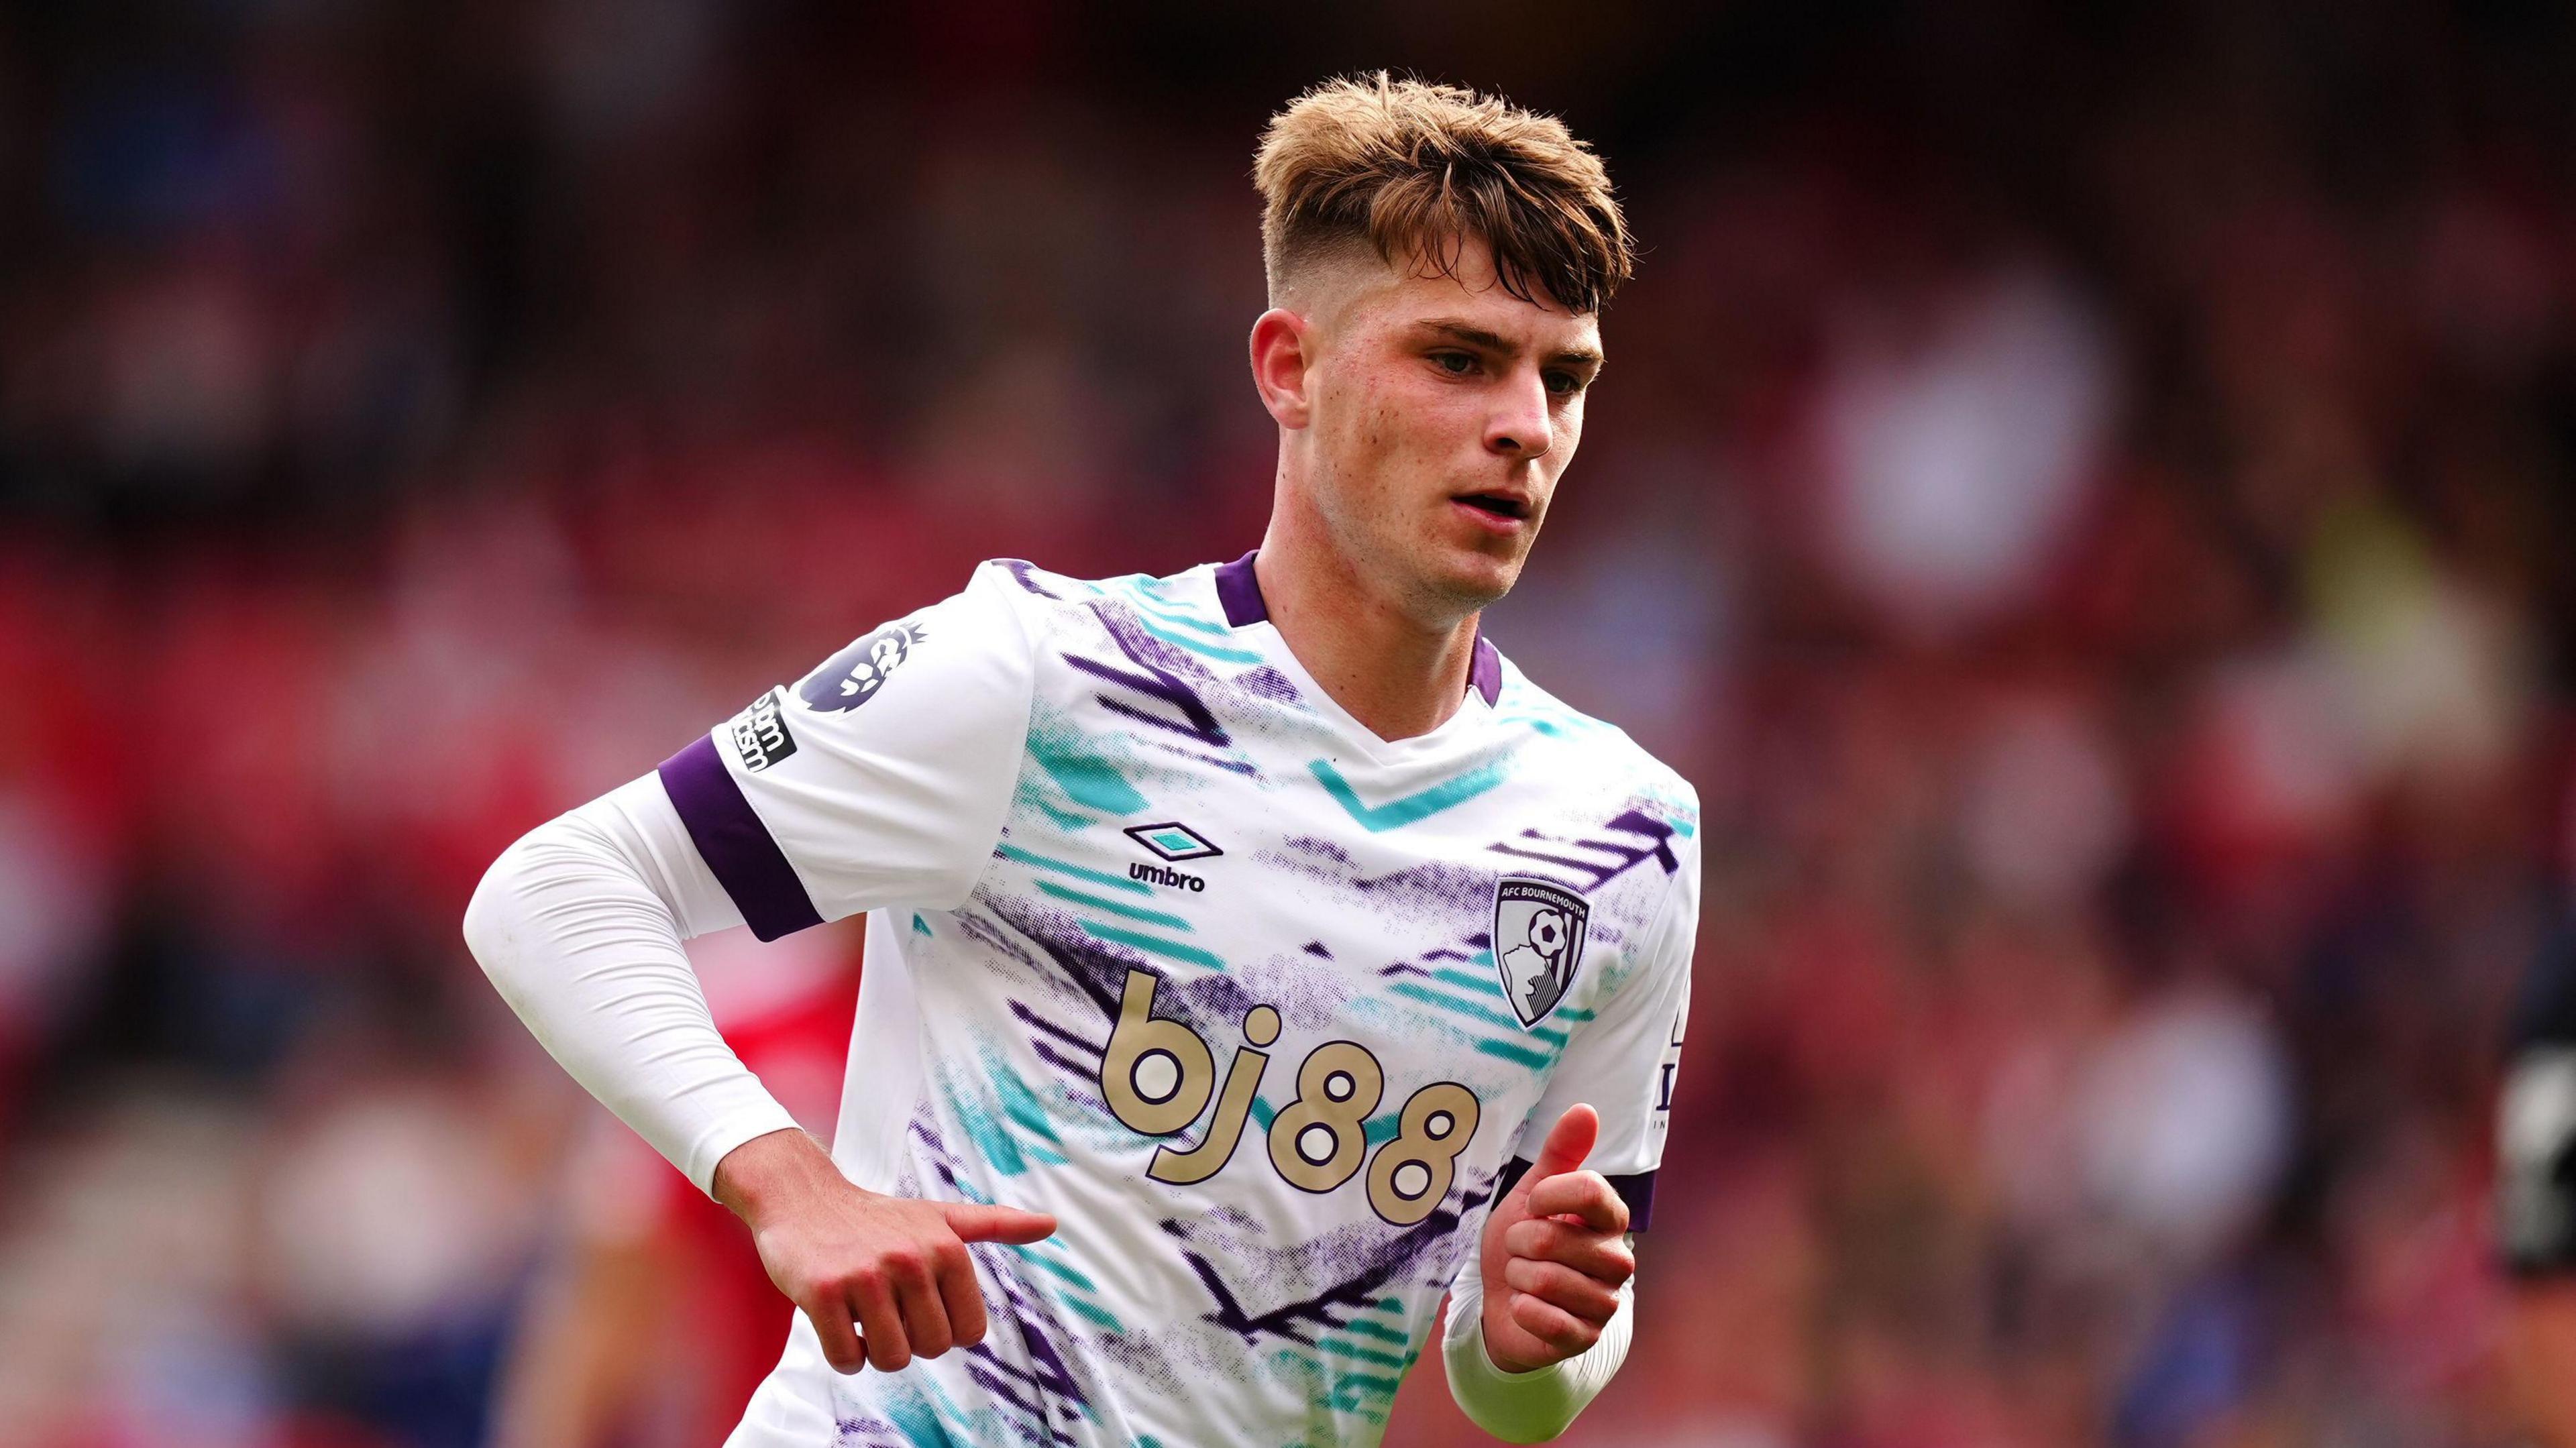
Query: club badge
x=1538, y=944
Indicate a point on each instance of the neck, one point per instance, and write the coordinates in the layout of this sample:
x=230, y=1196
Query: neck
x=1395, y=673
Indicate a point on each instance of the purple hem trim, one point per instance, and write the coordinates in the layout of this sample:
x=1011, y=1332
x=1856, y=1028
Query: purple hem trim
x=735, y=844
x=1240, y=592
x=1638, y=1191
x=1485, y=675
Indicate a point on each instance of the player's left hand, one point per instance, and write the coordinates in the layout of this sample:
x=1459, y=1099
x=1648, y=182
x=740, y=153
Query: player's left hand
x=1554, y=1254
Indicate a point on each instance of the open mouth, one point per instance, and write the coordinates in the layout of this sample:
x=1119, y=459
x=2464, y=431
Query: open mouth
x=1497, y=504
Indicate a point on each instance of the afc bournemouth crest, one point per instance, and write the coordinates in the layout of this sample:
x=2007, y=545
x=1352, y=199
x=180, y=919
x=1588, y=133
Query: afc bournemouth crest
x=853, y=676
x=1538, y=943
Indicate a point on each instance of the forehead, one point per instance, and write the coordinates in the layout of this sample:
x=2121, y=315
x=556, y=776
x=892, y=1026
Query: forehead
x=1396, y=298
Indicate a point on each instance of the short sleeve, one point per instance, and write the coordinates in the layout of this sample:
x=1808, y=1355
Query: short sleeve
x=1624, y=1060
x=878, y=779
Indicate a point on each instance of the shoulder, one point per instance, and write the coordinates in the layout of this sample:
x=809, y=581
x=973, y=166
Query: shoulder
x=1042, y=590
x=1042, y=598
x=1595, y=756
x=1012, y=605
x=1034, y=588
x=980, y=638
x=1174, y=620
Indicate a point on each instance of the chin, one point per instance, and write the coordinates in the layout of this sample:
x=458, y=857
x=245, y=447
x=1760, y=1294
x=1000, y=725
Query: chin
x=1472, y=578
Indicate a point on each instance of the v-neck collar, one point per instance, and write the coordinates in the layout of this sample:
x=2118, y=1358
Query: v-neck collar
x=1238, y=590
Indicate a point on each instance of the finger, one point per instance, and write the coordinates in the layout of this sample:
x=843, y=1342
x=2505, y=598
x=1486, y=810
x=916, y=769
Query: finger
x=963, y=1297
x=1553, y=1325
x=873, y=1297
x=1568, y=1143
x=1584, y=1194
x=925, y=1317
x=1594, y=1254
x=841, y=1345
x=975, y=1222
x=1588, y=1298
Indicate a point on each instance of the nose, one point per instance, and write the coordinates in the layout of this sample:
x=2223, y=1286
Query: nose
x=1520, y=427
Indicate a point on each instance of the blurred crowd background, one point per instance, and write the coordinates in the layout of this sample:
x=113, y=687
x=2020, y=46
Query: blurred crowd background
x=2088, y=498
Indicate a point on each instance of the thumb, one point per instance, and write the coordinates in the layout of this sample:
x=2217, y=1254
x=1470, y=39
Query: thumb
x=1568, y=1143
x=975, y=1222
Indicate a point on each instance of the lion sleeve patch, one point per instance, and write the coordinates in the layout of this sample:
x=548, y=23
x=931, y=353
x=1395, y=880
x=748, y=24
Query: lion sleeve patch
x=852, y=677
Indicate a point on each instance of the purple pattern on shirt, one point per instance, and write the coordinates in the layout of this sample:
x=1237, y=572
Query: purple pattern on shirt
x=1159, y=682
x=1022, y=570
x=1041, y=1372
x=1241, y=1265
x=1648, y=838
x=1266, y=682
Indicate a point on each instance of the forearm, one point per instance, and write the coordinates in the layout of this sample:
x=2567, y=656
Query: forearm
x=579, y=925
x=1529, y=1407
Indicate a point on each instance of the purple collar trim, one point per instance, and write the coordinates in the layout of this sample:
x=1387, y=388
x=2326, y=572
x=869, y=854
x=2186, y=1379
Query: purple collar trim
x=1239, y=592
x=1485, y=674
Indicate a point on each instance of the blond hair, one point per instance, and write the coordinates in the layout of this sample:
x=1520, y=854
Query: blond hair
x=1414, y=169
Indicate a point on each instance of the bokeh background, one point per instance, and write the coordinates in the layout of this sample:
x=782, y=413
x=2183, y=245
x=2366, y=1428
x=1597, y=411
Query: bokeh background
x=2088, y=498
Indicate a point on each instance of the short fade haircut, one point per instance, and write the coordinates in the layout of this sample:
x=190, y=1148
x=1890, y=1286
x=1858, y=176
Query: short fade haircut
x=1414, y=169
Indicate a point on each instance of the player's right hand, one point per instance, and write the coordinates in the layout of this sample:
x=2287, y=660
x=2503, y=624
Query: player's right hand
x=895, y=1267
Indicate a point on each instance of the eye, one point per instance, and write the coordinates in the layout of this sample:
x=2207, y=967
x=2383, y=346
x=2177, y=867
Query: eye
x=1456, y=364
x=1564, y=384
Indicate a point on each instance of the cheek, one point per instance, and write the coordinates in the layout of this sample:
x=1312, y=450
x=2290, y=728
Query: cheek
x=1428, y=419
x=1569, y=423
x=1358, y=410
x=1389, y=415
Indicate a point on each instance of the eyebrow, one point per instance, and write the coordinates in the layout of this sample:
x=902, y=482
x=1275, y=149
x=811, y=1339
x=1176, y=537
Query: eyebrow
x=1496, y=342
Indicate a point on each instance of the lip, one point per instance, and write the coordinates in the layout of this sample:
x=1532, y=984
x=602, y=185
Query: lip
x=1495, y=522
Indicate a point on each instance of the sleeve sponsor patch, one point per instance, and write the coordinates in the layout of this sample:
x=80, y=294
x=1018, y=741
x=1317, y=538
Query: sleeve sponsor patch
x=760, y=737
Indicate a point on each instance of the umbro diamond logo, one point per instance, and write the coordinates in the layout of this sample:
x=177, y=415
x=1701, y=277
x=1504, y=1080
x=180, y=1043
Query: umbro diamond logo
x=1173, y=841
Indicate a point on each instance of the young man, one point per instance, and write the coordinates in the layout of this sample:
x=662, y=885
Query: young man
x=1255, y=953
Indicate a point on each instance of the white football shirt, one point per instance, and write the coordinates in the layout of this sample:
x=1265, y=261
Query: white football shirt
x=1265, y=1009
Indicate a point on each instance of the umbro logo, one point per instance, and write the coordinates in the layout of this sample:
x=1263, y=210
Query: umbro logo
x=1173, y=841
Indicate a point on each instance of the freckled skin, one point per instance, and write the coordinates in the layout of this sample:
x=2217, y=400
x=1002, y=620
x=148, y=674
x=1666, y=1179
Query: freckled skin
x=1395, y=421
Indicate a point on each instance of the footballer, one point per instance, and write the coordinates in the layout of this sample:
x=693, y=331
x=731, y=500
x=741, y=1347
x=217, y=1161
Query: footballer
x=1255, y=955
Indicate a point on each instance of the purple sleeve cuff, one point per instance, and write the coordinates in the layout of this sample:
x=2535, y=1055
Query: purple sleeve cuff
x=1638, y=1190
x=735, y=844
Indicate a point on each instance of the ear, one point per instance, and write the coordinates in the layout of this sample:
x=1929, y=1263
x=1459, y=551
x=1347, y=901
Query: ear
x=1282, y=364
